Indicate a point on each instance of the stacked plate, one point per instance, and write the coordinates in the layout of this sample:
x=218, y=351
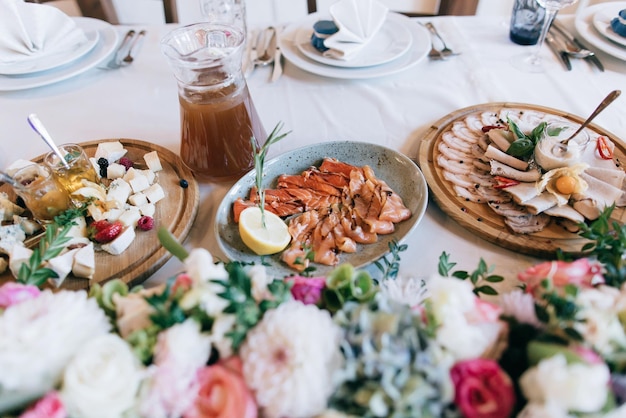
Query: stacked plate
x=400, y=44
x=40, y=71
x=594, y=25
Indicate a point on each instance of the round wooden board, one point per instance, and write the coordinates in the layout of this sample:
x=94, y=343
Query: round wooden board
x=176, y=212
x=479, y=218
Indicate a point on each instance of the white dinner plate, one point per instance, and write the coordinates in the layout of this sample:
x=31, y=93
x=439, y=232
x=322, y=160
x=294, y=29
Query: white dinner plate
x=48, y=62
x=418, y=51
x=585, y=27
x=391, y=42
x=602, y=21
x=396, y=169
x=107, y=42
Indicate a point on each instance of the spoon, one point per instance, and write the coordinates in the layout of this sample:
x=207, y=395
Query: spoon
x=36, y=124
x=8, y=179
x=603, y=105
x=265, y=47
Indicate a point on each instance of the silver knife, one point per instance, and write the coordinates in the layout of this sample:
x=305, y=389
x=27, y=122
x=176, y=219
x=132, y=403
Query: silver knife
x=560, y=54
x=278, y=64
x=571, y=38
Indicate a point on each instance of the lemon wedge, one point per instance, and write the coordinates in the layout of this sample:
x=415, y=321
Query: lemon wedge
x=263, y=241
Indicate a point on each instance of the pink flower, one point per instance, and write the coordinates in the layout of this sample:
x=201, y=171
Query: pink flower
x=223, y=393
x=482, y=389
x=307, y=290
x=50, y=406
x=183, y=281
x=12, y=293
x=582, y=272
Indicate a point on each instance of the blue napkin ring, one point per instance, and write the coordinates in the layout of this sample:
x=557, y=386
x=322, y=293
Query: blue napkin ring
x=322, y=29
x=618, y=23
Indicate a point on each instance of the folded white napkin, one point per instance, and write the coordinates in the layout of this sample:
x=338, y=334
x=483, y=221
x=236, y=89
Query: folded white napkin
x=31, y=30
x=358, y=22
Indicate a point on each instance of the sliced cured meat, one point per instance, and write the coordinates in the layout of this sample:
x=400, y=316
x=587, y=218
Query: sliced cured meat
x=527, y=224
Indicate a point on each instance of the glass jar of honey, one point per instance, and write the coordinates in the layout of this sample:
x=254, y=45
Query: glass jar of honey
x=42, y=193
x=74, y=168
x=218, y=118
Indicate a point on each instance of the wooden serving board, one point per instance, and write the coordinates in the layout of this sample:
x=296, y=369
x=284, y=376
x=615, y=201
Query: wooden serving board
x=176, y=212
x=479, y=218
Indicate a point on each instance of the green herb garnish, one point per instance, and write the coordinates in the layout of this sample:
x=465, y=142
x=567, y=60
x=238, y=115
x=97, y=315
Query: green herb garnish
x=478, y=277
x=524, y=145
x=390, y=268
x=259, y=162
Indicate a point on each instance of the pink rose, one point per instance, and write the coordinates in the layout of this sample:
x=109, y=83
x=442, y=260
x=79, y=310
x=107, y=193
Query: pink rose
x=50, y=406
x=223, y=393
x=482, y=389
x=307, y=290
x=12, y=293
x=183, y=281
x=582, y=272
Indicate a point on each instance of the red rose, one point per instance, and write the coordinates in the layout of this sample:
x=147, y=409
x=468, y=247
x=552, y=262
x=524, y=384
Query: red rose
x=222, y=393
x=482, y=389
x=307, y=290
x=582, y=272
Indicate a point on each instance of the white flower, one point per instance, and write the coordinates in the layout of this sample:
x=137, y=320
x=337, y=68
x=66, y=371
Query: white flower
x=521, y=306
x=461, y=330
x=221, y=325
x=407, y=291
x=543, y=410
x=288, y=360
x=38, y=337
x=575, y=387
x=201, y=268
x=260, y=280
x=102, y=380
x=180, y=351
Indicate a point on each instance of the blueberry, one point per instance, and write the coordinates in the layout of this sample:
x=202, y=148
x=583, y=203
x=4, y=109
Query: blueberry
x=183, y=183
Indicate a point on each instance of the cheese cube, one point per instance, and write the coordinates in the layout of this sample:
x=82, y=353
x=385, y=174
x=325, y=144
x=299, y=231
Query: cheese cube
x=78, y=232
x=12, y=233
x=113, y=214
x=119, y=190
x=139, y=183
x=154, y=193
x=149, y=174
x=112, y=151
x=84, y=262
x=147, y=209
x=18, y=256
x=130, y=174
x=62, y=266
x=153, y=161
x=9, y=209
x=138, y=199
x=28, y=225
x=120, y=243
x=95, y=212
x=130, y=217
x=115, y=171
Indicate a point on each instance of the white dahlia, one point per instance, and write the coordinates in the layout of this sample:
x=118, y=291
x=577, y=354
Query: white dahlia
x=39, y=337
x=407, y=291
x=289, y=358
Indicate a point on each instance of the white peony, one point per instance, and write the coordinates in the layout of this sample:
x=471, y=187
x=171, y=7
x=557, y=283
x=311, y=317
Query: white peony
x=171, y=387
x=202, y=270
x=39, y=337
x=260, y=280
x=574, y=387
x=521, y=306
x=461, y=330
x=289, y=358
x=102, y=380
x=407, y=291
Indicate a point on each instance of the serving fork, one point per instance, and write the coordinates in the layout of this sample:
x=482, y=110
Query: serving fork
x=438, y=54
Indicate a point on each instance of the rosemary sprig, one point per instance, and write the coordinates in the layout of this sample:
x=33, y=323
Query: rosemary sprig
x=259, y=162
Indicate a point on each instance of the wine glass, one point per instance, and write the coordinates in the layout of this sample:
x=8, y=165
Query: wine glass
x=533, y=62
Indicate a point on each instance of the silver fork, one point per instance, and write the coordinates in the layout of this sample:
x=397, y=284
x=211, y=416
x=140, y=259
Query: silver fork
x=446, y=51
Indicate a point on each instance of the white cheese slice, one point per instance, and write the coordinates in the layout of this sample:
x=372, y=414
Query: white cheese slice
x=84, y=263
x=78, y=232
x=115, y=171
x=120, y=243
x=139, y=183
x=153, y=161
x=8, y=209
x=150, y=175
x=95, y=211
x=28, y=225
x=96, y=166
x=138, y=199
x=113, y=214
x=112, y=151
x=62, y=266
x=18, y=256
x=154, y=193
x=148, y=209
x=130, y=217
x=12, y=233
x=119, y=190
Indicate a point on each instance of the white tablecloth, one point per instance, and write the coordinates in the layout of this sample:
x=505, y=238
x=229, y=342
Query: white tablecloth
x=140, y=102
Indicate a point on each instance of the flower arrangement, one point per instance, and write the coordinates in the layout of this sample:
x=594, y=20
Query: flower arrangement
x=227, y=340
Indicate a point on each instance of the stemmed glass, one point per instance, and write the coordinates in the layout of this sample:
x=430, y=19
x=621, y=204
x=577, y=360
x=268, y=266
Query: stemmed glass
x=532, y=62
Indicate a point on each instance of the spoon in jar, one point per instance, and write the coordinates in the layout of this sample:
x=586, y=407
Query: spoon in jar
x=36, y=124
x=603, y=105
x=8, y=179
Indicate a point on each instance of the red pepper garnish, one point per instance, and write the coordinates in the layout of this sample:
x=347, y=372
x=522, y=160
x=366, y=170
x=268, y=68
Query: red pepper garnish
x=606, y=153
x=503, y=182
x=487, y=128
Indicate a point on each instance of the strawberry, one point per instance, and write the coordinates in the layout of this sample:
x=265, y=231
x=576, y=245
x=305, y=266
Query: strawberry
x=104, y=231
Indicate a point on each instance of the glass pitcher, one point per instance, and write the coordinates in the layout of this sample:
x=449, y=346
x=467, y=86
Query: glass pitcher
x=217, y=115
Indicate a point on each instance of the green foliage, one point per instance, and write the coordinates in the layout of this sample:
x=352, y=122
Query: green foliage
x=67, y=216
x=390, y=268
x=346, y=284
x=524, y=145
x=479, y=277
x=608, y=246
x=309, y=254
x=53, y=242
x=171, y=244
x=237, y=290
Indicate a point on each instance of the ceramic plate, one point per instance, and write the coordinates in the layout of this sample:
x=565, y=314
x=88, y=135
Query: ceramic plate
x=585, y=27
x=107, y=42
x=391, y=42
x=602, y=22
x=420, y=45
x=400, y=173
x=176, y=212
x=48, y=62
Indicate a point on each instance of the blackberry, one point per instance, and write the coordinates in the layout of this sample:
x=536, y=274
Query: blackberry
x=103, y=163
x=183, y=183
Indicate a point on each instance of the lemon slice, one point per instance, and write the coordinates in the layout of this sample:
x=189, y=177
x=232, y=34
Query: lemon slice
x=263, y=241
